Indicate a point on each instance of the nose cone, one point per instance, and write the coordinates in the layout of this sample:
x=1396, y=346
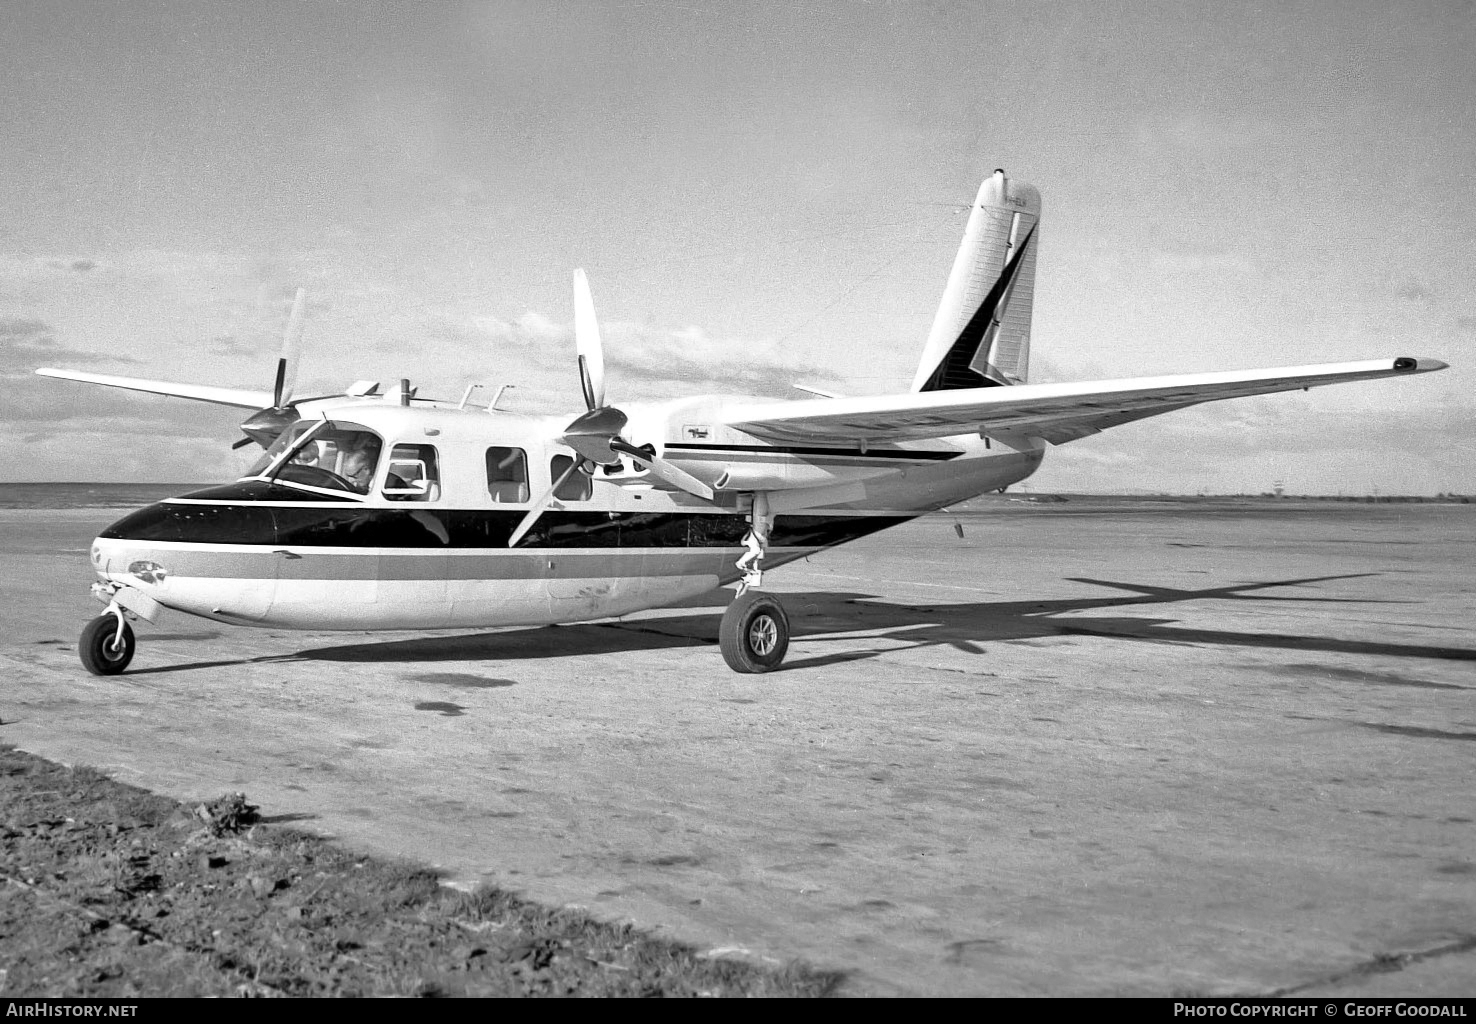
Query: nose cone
x=127, y=541
x=590, y=434
x=266, y=425
x=195, y=523
x=133, y=562
x=150, y=523
x=145, y=546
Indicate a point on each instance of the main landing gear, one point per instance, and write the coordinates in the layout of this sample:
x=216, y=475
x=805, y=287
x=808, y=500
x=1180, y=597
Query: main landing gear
x=754, y=635
x=107, y=645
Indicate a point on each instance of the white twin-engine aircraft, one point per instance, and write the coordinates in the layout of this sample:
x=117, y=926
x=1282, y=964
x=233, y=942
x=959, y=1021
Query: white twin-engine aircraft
x=381, y=510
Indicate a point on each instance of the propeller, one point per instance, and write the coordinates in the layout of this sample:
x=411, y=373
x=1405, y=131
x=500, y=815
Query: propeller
x=263, y=426
x=587, y=344
x=595, y=434
x=596, y=437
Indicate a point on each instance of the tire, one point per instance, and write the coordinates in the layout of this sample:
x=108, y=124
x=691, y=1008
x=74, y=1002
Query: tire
x=96, y=649
x=754, y=635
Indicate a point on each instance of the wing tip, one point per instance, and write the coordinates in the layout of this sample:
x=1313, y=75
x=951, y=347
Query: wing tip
x=1414, y=364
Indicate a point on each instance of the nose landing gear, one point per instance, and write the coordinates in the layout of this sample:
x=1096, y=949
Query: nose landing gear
x=107, y=645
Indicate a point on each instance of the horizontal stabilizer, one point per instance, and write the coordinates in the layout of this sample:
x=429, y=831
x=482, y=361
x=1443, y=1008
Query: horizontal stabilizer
x=1055, y=412
x=195, y=392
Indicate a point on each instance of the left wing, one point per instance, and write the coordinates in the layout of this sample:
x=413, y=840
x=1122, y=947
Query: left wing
x=1056, y=412
x=197, y=392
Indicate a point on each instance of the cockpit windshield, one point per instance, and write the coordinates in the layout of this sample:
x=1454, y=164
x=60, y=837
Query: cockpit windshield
x=332, y=454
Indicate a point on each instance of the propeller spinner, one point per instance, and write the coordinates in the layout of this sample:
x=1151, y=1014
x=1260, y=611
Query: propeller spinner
x=595, y=434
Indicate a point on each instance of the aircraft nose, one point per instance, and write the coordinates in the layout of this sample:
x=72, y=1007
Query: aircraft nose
x=127, y=550
x=115, y=557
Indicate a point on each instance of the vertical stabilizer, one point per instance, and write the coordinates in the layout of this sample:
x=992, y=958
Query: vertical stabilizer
x=981, y=334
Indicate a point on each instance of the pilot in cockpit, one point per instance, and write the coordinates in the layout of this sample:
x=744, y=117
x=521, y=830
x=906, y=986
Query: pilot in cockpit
x=358, y=465
x=308, y=455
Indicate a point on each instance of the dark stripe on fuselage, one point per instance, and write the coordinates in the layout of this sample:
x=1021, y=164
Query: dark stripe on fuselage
x=261, y=490
x=953, y=372
x=365, y=527
x=914, y=455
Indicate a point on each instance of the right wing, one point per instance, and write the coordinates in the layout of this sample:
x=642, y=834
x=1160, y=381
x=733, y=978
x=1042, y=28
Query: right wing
x=1055, y=412
x=198, y=392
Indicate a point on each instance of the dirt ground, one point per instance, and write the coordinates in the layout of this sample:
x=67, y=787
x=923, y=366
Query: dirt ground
x=110, y=891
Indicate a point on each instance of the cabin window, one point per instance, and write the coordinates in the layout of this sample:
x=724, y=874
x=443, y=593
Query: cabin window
x=335, y=456
x=577, y=488
x=507, y=474
x=411, y=474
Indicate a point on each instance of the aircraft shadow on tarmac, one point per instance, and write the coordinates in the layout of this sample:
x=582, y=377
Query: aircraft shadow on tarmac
x=819, y=617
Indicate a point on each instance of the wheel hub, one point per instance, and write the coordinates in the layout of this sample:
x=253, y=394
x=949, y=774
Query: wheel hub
x=763, y=635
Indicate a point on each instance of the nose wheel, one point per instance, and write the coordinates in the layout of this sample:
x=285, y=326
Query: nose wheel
x=106, y=646
x=754, y=635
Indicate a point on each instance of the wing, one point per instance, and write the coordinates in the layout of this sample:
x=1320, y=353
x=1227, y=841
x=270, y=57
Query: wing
x=197, y=392
x=1056, y=412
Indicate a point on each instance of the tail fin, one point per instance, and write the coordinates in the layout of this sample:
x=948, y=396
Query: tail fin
x=981, y=334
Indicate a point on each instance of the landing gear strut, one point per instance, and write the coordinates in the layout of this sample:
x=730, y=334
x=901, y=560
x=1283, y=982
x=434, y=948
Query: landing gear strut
x=760, y=521
x=106, y=646
x=754, y=635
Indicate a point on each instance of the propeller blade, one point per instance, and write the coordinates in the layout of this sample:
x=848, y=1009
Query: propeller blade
x=678, y=478
x=287, y=363
x=528, y=520
x=243, y=443
x=587, y=344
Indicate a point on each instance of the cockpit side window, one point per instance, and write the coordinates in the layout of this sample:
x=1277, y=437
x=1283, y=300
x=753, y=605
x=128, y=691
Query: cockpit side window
x=412, y=474
x=578, y=487
x=507, y=474
x=339, y=456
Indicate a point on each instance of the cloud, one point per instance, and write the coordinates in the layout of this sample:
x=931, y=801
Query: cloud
x=645, y=362
x=27, y=343
x=1411, y=288
x=34, y=400
x=1196, y=133
x=22, y=327
x=138, y=454
x=1334, y=440
x=20, y=265
x=230, y=345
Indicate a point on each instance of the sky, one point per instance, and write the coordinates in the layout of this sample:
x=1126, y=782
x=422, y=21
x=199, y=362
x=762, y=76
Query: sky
x=762, y=193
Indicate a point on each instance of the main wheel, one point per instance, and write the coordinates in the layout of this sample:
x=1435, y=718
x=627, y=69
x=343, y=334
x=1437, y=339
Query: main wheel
x=754, y=635
x=101, y=654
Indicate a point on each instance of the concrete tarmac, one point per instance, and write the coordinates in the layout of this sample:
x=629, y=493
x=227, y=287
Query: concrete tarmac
x=1133, y=748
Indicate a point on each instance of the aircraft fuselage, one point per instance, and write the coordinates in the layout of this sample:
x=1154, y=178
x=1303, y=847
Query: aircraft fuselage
x=283, y=554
